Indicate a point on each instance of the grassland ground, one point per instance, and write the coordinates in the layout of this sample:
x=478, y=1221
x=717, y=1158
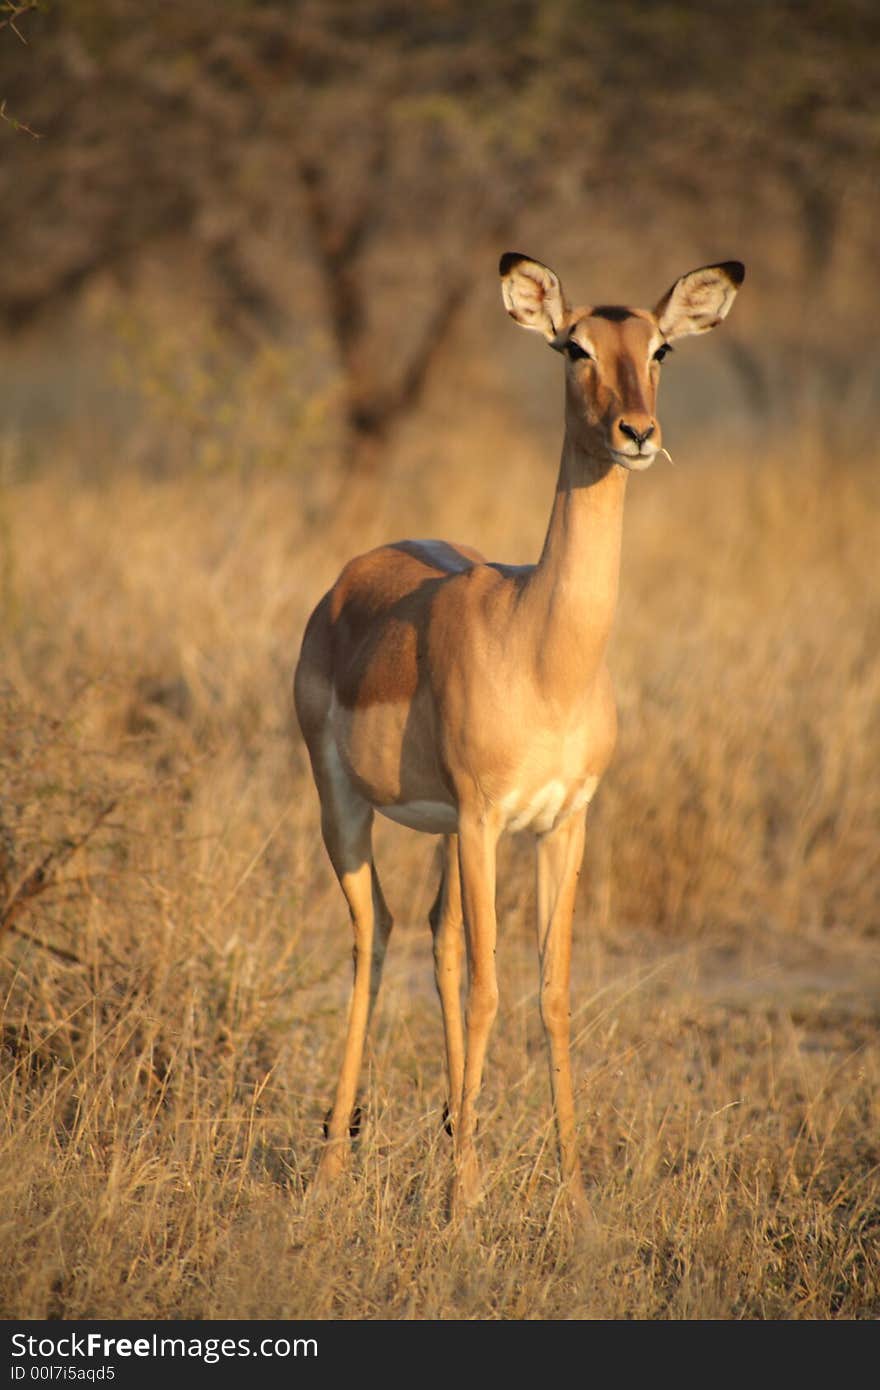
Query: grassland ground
x=176, y=955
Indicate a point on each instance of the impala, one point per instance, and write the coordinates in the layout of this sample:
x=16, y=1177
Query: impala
x=463, y=698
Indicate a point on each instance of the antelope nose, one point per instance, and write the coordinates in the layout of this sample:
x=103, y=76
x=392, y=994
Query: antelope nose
x=639, y=436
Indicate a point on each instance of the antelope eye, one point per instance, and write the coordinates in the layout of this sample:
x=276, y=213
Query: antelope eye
x=661, y=352
x=576, y=352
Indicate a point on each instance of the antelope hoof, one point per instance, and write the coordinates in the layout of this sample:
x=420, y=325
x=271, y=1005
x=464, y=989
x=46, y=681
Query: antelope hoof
x=354, y=1124
x=449, y=1122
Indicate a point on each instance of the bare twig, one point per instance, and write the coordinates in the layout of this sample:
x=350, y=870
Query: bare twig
x=58, y=951
x=16, y=123
x=45, y=874
x=15, y=12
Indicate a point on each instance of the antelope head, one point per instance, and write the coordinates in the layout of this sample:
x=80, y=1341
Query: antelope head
x=613, y=354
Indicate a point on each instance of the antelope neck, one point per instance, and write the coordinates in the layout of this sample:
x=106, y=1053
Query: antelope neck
x=571, y=594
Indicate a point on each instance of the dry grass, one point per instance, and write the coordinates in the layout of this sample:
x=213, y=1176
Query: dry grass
x=173, y=990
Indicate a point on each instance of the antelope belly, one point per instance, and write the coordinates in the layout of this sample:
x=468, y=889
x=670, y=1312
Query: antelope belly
x=433, y=817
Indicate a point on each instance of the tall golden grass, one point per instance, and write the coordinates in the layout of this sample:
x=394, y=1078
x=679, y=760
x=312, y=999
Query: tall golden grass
x=175, y=972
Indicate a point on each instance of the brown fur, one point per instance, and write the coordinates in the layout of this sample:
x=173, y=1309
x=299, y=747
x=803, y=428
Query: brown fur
x=465, y=698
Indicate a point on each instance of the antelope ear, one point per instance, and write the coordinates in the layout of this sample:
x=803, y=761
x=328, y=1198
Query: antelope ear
x=532, y=294
x=699, y=300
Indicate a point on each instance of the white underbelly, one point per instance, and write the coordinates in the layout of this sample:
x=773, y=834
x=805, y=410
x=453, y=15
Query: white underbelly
x=539, y=810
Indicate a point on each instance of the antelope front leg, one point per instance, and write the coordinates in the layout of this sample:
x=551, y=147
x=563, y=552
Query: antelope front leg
x=476, y=854
x=559, y=859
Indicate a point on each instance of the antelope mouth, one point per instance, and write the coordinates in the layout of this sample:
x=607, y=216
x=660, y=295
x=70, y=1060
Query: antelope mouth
x=636, y=463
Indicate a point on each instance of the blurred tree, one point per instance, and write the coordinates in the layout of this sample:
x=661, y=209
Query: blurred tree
x=353, y=165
